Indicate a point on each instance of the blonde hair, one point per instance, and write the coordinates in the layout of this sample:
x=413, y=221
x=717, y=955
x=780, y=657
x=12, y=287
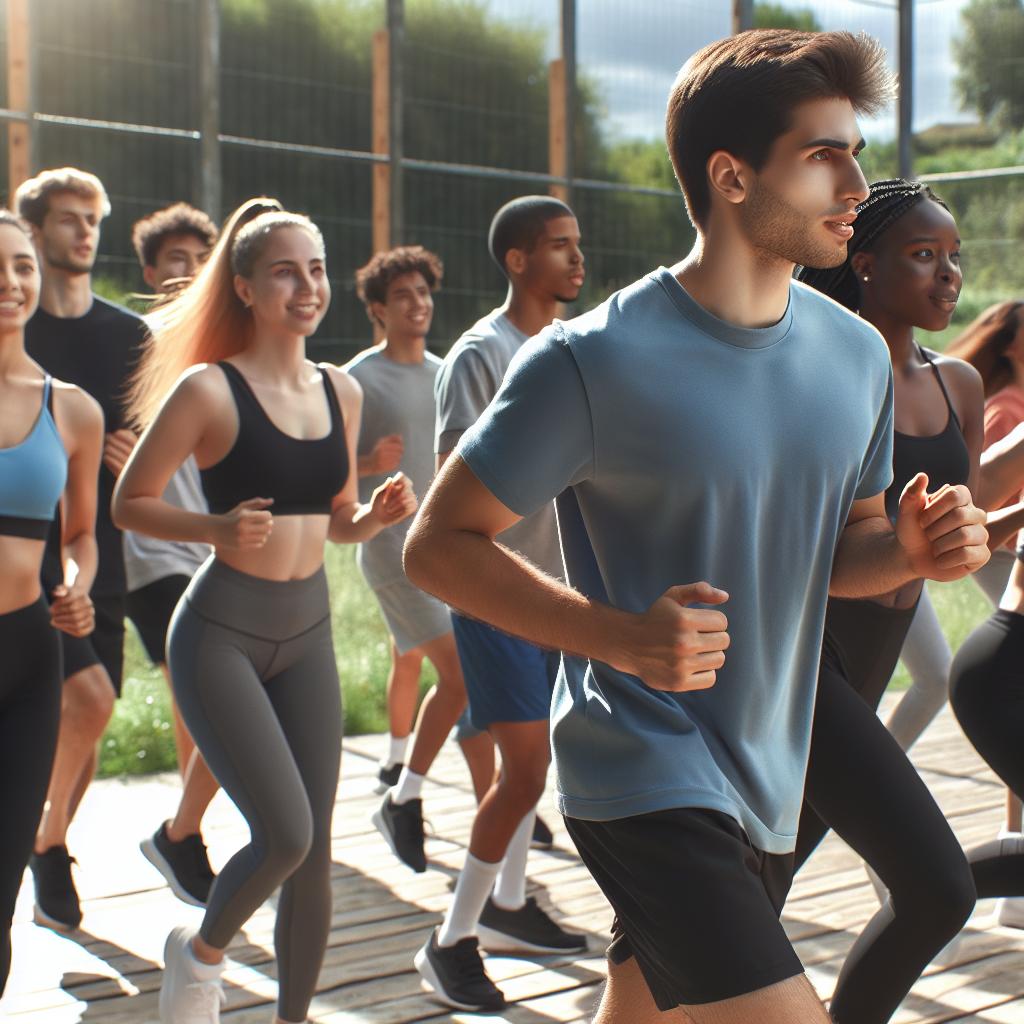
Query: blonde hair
x=206, y=321
x=32, y=199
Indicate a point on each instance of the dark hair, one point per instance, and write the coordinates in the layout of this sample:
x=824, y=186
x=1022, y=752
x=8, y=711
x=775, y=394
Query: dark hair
x=372, y=280
x=887, y=201
x=13, y=220
x=984, y=341
x=739, y=93
x=149, y=233
x=520, y=223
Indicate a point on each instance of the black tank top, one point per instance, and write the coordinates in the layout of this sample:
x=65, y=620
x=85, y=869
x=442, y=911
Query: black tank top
x=944, y=457
x=301, y=476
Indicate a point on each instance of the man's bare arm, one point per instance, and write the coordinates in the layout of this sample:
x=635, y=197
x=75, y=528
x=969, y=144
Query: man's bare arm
x=939, y=536
x=451, y=552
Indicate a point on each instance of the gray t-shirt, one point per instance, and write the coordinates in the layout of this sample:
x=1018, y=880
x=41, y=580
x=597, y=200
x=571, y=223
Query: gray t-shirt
x=147, y=559
x=690, y=449
x=470, y=377
x=398, y=398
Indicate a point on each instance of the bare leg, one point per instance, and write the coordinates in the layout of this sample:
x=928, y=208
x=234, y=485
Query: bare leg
x=1013, y=812
x=442, y=705
x=182, y=737
x=627, y=1000
x=199, y=789
x=525, y=753
x=403, y=690
x=479, y=754
x=87, y=704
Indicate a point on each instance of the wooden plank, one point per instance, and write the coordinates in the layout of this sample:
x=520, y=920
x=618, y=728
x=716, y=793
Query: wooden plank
x=19, y=134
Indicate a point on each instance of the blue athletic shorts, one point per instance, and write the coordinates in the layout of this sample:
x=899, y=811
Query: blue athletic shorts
x=507, y=679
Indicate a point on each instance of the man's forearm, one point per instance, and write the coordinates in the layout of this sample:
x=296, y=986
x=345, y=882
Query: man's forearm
x=486, y=581
x=869, y=561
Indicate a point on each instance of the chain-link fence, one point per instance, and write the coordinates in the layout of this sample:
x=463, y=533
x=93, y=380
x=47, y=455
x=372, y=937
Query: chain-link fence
x=116, y=87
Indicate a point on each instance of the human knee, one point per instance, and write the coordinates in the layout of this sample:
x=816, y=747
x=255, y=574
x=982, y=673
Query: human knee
x=523, y=784
x=942, y=897
x=89, y=698
x=288, y=843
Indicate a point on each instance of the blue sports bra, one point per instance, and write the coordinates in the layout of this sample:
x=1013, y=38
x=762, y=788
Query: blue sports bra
x=32, y=476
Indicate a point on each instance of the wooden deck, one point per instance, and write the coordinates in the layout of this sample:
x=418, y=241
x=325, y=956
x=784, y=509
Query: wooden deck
x=109, y=971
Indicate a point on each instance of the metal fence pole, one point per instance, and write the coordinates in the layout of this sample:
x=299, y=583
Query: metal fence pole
x=568, y=47
x=905, y=115
x=209, y=190
x=742, y=15
x=381, y=139
x=396, y=34
x=19, y=93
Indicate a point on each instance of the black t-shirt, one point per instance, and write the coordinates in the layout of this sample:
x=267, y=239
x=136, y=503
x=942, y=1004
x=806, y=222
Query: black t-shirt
x=97, y=352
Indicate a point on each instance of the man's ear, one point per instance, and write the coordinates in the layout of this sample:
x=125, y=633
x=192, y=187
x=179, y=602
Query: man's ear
x=728, y=176
x=515, y=261
x=374, y=312
x=149, y=276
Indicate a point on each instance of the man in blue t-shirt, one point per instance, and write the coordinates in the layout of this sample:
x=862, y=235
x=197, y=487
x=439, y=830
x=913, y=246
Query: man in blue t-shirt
x=718, y=437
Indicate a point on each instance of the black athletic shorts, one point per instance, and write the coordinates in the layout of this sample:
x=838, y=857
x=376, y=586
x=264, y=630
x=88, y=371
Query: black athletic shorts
x=694, y=902
x=103, y=646
x=150, y=608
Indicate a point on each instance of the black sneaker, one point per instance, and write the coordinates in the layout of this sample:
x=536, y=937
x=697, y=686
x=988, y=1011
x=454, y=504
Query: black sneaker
x=184, y=864
x=57, y=905
x=526, y=930
x=402, y=826
x=542, y=839
x=456, y=975
x=388, y=777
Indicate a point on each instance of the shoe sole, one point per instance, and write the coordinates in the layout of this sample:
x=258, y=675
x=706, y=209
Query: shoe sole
x=44, y=920
x=379, y=824
x=156, y=858
x=498, y=942
x=536, y=844
x=432, y=984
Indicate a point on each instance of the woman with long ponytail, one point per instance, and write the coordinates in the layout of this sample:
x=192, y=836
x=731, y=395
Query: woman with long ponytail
x=250, y=649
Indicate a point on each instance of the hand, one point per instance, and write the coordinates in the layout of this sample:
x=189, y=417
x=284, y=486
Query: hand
x=248, y=525
x=678, y=648
x=117, y=446
x=71, y=610
x=943, y=533
x=393, y=501
x=386, y=455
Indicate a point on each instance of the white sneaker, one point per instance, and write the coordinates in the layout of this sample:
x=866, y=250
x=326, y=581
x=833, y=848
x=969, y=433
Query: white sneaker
x=190, y=992
x=1010, y=912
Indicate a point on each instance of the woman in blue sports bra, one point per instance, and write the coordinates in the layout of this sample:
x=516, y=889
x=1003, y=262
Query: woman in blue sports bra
x=250, y=650
x=51, y=435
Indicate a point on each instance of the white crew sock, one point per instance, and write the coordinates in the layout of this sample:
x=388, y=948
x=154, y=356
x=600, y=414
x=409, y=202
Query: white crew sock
x=409, y=787
x=510, y=887
x=471, y=892
x=396, y=751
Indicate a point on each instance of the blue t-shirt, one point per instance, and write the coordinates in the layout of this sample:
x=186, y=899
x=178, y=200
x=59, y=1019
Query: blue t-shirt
x=683, y=448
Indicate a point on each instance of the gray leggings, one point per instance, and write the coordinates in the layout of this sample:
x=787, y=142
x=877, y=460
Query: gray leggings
x=252, y=663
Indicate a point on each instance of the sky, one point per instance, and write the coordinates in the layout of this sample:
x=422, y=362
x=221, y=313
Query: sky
x=632, y=49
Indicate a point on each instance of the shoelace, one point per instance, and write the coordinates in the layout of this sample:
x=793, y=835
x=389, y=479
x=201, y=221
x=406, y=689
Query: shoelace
x=206, y=997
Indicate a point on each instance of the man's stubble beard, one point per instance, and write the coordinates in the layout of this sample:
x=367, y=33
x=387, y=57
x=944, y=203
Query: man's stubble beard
x=782, y=233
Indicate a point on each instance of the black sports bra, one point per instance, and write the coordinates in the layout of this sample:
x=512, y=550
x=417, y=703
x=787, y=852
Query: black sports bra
x=943, y=456
x=301, y=476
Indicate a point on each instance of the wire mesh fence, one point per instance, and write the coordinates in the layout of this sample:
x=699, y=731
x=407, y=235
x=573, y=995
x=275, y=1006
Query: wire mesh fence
x=295, y=89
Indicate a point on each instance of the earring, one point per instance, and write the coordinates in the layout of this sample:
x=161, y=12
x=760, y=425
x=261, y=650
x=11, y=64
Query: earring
x=866, y=277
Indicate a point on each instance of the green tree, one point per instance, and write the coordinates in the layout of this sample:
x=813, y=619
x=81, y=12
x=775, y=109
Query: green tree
x=778, y=16
x=990, y=55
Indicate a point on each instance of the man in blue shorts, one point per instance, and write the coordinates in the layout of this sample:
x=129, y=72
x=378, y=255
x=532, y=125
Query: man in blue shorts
x=701, y=425
x=535, y=240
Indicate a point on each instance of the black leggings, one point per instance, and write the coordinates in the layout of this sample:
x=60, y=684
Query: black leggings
x=30, y=692
x=864, y=787
x=987, y=695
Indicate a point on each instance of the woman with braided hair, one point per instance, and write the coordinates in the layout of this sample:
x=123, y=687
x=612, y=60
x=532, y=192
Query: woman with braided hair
x=902, y=273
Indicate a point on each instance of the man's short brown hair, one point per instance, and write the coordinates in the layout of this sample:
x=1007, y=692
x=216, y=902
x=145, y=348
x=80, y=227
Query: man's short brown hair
x=739, y=94
x=149, y=233
x=372, y=280
x=32, y=199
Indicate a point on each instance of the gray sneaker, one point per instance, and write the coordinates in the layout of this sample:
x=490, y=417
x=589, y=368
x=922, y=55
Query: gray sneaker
x=526, y=930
